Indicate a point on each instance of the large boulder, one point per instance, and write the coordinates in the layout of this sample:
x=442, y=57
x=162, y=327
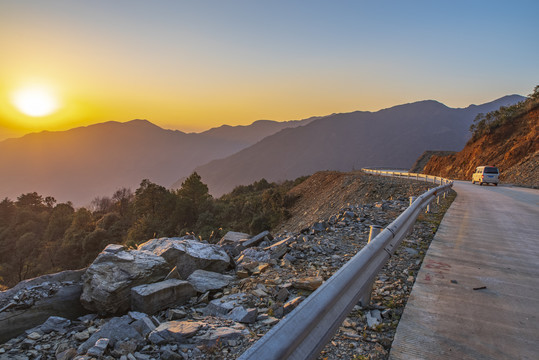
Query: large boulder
x=108, y=281
x=188, y=255
x=33, y=301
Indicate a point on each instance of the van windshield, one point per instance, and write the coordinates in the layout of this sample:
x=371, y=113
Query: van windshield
x=491, y=170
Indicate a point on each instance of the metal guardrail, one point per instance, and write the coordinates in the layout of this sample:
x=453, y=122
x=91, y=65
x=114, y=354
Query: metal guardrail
x=434, y=179
x=304, y=332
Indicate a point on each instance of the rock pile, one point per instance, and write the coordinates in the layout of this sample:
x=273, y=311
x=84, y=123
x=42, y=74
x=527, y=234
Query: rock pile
x=178, y=298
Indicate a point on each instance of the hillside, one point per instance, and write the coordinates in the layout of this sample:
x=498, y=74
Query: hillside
x=512, y=146
x=327, y=192
x=80, y=164
x=392, y=137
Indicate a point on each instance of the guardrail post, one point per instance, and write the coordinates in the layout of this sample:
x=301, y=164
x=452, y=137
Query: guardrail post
x=427, y=209
x=412, y=199
x=445, y=192
x=438, y=199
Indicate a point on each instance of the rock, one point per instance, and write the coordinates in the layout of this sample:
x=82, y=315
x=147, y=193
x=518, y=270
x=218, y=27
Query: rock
x=118, y=328
x=282, y=295
x=175, y=331
x=222, y=306
x=151, y=298
x=233, y=237
x=188, y=255
x=174, y=314
x=55, y=323
x=308, y=283
x=109, y=279
x=373, y=318
x=240, y=314
x=82, y=336
x=99, y=348
x=203, y=280
x=292, y=304
x=252, y=255
x=144, y=326
x=255, y=240
x=34, y=336
x=38, y=299
x=66, y=354
x=221, y=335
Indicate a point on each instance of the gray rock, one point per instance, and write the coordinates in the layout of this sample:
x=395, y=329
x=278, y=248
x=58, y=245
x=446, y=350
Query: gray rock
x=151, y=298
x=282, y=295
x=373, y=318
x=255, y=240
x=221, y=335
x=253, y=255
x=144, y=326
x=55, y=323
x=222, y=306
x=99, y=348
x=109, y=279
x=188, y=255
x=233, y=237
x=116, y=329
x=203, y=280
x=240, y=314
x=292, y=304
x=175, y=331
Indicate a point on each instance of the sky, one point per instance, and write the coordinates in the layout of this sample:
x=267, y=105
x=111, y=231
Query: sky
x=193, y=65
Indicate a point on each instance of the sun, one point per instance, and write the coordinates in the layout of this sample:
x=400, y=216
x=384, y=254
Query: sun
x=35, y=101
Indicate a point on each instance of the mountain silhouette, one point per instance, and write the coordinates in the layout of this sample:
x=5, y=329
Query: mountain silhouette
x=392, y=137
x=80, y=164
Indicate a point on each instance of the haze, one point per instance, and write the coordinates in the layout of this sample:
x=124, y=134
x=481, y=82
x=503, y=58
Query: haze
x=194, y=65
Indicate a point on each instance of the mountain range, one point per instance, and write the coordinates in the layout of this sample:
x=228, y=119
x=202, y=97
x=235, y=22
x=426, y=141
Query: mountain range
x=80, y=164
x=393, y=138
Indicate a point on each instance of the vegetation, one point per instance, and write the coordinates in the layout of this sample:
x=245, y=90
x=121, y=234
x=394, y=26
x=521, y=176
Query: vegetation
x=39, y=236
x=486, y=123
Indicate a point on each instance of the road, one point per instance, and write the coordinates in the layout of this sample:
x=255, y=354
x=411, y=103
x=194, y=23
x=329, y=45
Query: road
x=476, y=295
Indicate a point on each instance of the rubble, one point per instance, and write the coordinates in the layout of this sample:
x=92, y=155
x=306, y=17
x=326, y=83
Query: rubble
x=238, y=306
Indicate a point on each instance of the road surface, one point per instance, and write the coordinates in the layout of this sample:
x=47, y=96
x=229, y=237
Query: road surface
x=476, y=295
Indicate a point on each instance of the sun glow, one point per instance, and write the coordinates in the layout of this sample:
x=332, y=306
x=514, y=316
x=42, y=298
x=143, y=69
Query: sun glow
x=35, y=101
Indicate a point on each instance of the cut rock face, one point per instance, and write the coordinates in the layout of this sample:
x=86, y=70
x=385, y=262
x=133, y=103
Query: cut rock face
x=188, y=255
x=151, y=298
x=108, y=281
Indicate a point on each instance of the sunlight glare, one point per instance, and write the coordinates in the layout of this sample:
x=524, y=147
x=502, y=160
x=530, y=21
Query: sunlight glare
x=35, y=101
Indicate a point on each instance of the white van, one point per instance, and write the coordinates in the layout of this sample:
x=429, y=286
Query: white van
x=486, y=175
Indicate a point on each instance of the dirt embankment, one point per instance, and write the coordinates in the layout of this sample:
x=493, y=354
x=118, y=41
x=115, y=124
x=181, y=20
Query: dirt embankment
x=513, y=148
x=326, y=192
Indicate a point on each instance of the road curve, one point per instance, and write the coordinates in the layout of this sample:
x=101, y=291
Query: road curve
x=476, y=295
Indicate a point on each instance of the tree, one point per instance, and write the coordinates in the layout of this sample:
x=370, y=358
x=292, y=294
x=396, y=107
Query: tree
x=193, y=196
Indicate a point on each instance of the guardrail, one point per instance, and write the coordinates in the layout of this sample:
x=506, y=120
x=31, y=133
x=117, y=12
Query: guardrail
x=435, y=179
x=304, y=332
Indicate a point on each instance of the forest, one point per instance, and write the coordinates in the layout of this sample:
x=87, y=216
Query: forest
x=40, y=236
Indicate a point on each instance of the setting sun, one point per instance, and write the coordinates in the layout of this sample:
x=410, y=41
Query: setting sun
x=35, y=101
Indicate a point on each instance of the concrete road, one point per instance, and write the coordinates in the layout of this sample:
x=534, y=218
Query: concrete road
x=476, y=295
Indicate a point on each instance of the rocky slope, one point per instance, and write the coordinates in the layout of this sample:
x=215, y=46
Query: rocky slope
x=513, y=148
x=223, y=306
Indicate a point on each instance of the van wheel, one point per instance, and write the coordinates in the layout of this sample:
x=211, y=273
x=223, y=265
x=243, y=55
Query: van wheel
x=495, y=184
x=480, y=184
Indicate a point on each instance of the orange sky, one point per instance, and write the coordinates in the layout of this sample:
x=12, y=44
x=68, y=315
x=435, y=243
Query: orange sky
x=196, y=65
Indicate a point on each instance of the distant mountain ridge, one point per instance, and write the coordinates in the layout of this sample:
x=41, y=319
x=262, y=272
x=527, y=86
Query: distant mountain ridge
x=82, y=163
x=390, y=137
